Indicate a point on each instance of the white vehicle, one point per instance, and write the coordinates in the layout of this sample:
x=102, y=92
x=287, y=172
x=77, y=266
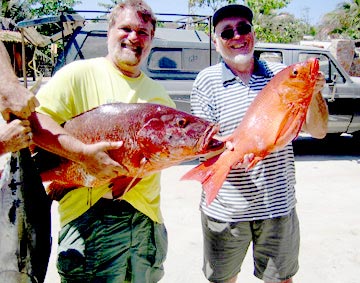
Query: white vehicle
x=177, y=55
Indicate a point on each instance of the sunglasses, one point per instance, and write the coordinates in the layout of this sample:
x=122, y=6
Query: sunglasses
x=241, y=30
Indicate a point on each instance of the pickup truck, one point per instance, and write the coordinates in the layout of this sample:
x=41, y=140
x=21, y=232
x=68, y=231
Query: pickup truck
x=178, y=55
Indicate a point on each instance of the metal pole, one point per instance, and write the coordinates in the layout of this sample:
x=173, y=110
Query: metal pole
x=23, y=57
x=210, y=39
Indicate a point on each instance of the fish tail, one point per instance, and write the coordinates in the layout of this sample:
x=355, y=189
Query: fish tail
x=211, y=175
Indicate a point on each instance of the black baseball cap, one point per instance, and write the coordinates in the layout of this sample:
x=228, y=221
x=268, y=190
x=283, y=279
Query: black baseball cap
x=233, y=10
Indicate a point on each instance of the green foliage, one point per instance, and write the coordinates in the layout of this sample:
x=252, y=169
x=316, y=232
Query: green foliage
x=266, y=7
x=344, y=22
x=213, y=4
x=50, y=7
x=18, y=10
x=13, y=12
x=288, y=32
x=108, y=7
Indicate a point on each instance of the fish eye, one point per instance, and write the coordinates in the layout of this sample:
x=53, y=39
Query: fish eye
x=294, y=73
x=182, y=123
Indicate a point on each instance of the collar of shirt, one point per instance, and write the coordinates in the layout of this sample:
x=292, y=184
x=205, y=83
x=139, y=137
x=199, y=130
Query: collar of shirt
x=260, y=69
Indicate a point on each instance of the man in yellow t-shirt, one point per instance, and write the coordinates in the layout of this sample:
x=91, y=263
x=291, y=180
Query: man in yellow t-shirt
x=101, y=239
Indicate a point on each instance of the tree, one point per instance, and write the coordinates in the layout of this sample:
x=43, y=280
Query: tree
x=344, y=22
x=266, y=7
x=108, y=7
x=269, y=24
x=13, y=12
x=213, y=4
x=280, y=28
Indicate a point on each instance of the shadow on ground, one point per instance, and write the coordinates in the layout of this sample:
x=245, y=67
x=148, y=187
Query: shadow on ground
x=329, y=148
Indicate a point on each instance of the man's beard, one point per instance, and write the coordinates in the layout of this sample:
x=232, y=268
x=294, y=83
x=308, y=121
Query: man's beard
x=121, y=55
x=243, y=58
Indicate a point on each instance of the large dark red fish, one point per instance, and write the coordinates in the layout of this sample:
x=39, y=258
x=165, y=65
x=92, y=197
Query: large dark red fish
x=155, y=137
x=273, y=120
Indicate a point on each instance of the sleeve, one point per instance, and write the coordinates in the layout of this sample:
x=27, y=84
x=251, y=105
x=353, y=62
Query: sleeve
x=56, y=97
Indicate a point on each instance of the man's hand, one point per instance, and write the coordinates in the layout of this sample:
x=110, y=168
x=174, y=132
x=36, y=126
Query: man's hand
x=316, y=121
x=15, y=136
x=17, y=100
x=248, y=158
x=97, y=161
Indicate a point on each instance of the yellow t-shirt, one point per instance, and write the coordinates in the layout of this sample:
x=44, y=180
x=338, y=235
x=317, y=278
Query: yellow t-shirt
x=81, y=86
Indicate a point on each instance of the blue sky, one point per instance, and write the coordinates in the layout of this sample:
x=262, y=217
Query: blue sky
x=312, y=10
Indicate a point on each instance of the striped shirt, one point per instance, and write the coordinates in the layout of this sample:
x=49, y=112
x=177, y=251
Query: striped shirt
x=265, y=191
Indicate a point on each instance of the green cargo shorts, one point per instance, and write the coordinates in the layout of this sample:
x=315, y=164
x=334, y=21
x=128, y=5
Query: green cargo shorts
x=275, y=242
x=112, y=242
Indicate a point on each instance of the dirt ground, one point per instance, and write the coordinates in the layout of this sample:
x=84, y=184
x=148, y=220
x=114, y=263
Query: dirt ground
x=328, y=193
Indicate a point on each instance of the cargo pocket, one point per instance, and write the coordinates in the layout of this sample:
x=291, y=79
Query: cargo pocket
x=71, y=252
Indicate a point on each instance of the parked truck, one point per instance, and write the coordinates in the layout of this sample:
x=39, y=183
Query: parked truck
x=177, y=55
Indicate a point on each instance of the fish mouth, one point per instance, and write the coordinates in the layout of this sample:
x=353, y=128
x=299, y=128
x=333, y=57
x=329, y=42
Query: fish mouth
x=207, y=143
x=314, y=67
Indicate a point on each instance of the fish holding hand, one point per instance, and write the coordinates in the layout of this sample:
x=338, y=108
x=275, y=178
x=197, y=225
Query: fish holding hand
x=273, y=120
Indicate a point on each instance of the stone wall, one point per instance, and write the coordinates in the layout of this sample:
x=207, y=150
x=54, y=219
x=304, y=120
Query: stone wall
x=346, y=52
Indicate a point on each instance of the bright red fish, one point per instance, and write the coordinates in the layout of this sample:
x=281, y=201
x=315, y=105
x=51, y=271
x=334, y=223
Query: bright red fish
x=273, y=120
x=155, y=137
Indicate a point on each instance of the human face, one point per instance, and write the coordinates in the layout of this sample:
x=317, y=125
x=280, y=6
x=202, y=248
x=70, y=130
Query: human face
x=129, y=42
x=239, y=49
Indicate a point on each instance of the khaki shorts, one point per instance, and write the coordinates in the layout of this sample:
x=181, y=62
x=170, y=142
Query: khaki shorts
x=275, y=247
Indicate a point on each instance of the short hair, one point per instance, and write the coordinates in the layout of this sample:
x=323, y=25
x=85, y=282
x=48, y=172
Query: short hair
x=141, y=7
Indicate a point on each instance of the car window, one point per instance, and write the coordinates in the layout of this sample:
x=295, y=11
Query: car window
x=327, y=66
x=94, y=45
x=162, y=59
x=179, y=59
x=270, y=56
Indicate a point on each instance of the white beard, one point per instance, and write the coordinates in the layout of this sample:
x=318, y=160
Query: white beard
x=243, y=58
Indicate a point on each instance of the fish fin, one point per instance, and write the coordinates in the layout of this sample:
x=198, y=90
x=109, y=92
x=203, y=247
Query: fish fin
x=201, y=172
x=290, y=128
x=122, y=184
x=211, y=174
x=134, y=180
x=57, y=191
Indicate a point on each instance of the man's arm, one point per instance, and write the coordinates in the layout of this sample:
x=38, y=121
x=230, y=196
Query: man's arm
x=50, y=136
x=14, y=98
x=316, y=122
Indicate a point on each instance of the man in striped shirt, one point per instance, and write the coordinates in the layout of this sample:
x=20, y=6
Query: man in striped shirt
x=257, y=206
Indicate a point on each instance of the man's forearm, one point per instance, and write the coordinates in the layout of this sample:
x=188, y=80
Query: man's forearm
x=14, y=98
x=7, y=74
x=50, y=136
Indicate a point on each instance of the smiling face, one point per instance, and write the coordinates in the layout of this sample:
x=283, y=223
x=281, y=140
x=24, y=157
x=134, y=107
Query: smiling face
x=129, y=41
x=239, y=49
